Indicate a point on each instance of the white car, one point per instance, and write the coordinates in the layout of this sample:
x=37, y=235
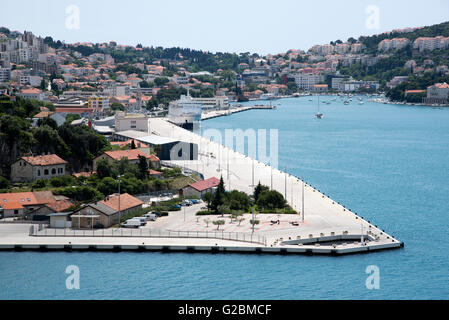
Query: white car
x=142, y=220
x=131, y=224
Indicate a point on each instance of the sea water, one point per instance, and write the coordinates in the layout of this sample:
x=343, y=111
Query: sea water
x=388, y=163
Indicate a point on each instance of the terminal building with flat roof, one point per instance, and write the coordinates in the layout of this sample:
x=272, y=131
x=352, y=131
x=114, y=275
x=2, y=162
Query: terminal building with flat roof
x=167, y=149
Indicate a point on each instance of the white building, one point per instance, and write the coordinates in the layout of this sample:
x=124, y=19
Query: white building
x=33, y=81
x=5, y=74
x=427, y=43
x=438, y=93
x=306, y=80
x=131, y=121
x=32, y=93
x=395, y=43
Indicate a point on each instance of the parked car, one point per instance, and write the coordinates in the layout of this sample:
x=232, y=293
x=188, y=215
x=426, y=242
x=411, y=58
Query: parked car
x=195, y=201
x=131, y=224
x=157, y=214
x=143, y=220
x=150, y=216
x=186, y=203
x=98, y=226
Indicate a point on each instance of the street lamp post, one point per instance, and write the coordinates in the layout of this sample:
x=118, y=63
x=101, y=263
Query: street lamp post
x=285, y=193
x=302, y=199
x=119, y=213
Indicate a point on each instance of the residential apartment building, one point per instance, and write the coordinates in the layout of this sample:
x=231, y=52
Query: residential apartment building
x=98, y=104
x=427, y=43
x=32, y=93
x=306, y=81
x=5, y=74
x=438, y=93
x=395, y=43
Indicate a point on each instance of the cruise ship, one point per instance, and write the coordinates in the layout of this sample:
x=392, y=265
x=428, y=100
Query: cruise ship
x=185, y=112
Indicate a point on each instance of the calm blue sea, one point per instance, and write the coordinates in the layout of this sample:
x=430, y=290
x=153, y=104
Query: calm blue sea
x=390, y=164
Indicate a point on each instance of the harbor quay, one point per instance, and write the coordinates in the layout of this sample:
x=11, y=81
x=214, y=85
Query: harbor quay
x=321, y=225
x=220, y=113
x=320, y=218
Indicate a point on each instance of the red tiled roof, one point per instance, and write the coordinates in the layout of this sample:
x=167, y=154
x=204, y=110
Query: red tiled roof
x=132, y=154
x=14, y=201
x=43, y=114
x=83, y=174
x=154, y=172
x=59, y=206
x=126, y=202
x=205, y=184
x=17, y=200
x=45, y=160
x=74, y=110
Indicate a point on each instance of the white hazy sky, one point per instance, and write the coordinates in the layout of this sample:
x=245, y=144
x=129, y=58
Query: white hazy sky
x=262, y=26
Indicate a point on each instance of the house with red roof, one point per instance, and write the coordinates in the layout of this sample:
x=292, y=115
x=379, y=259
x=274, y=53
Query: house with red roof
x=29, y=169
x=199, y=188
x=132, y=155
x=19, y=204
x=106, y=212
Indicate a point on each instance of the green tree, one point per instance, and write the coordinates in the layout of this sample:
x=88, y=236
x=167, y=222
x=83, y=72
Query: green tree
x=104, y=168
x=223, y=209
x=258, y=190
x=47, y=122
x=4, y=183
x=271, y=199
x=218, y=223
x=143, y=167
x=219, y=196
x=208, y=197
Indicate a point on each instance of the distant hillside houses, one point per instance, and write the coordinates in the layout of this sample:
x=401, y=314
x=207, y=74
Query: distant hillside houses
x=430, y=44
x=395, y=43
x=437, y=94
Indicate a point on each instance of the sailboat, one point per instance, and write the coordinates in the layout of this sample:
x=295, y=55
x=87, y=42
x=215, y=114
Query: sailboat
x=319, y=115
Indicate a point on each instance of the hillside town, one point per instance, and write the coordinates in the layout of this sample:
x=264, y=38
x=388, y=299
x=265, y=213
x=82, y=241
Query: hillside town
x=98, y=79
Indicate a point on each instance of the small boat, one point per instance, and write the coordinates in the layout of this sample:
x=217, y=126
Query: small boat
x=361, y=102
x=318, y=115
x=346, y=102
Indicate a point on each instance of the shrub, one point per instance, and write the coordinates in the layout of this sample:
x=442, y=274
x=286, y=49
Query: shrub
x=205, y=213
x=4, y=183
x=39, y=184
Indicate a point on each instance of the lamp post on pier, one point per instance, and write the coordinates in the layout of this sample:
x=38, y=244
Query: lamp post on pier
x=119, y=214
x=302, y=199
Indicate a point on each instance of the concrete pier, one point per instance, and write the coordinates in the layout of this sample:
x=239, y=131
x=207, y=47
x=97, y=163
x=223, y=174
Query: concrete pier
x=322, y=215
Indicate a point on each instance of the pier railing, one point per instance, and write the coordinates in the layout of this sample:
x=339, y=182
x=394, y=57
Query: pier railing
x=148, y=233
